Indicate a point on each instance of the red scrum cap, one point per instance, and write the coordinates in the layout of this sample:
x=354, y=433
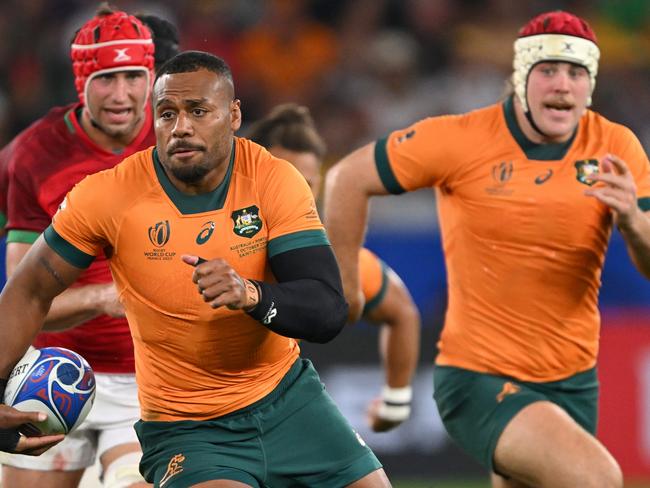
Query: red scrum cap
x=109, y=42
x=554, y=36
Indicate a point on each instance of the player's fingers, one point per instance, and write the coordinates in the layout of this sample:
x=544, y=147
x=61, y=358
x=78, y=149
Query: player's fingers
x=190, y=259
x=34, y=446
x=11, y=418
x=620, y=165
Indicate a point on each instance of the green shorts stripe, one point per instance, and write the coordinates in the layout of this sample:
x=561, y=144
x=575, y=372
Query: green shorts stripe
x=295, y=436
x=476, y=407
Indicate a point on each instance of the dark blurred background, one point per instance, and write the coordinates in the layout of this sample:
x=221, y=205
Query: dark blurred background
x=366, y=67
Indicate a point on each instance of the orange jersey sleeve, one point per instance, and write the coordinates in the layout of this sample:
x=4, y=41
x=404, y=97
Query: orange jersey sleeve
x=373, y=278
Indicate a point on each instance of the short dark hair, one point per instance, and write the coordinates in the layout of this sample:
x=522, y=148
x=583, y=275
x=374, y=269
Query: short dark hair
x=290, y=126
x=165, y=37
x=190, y=61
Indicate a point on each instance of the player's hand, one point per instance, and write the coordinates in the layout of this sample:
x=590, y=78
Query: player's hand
x=10, y=420
x=219, y=284
x=616, y=188
x=376, y=422
x=108, y=300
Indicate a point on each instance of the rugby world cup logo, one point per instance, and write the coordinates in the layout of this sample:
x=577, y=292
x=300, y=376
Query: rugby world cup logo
x=159, y=233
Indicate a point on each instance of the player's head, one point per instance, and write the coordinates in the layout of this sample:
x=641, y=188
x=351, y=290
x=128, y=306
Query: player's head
x=195, y=114
x=289, y=132
x=165, y=37
x=552, y=43
x=112, y=59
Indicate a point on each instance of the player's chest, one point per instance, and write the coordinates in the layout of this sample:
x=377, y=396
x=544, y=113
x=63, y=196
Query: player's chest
x=528, y=198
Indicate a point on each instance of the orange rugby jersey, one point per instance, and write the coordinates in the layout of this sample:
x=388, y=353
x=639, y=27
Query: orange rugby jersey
x=192, y=362
x=373, y=279
x=524, y=247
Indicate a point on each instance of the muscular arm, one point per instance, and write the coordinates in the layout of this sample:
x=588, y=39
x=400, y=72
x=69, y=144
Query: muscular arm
x=75, y=305
x=399, y=347
x=306, y=302
x=617, y=190
x=637, y=240
x=26, y=298
x=399, y=341
x=348, y=187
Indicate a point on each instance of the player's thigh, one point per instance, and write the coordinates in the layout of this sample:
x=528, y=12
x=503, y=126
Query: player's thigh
x=19, y=478
x=475, y=408
x=331, y=452
x=543, y=446
x=76, y=451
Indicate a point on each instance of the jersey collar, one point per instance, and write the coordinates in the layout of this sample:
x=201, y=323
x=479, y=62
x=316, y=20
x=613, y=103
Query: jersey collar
x=534, y=151
x=194, y=204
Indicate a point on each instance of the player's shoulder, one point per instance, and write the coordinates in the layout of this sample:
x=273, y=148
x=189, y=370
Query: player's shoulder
x=255, y=162
x=126, y=179
x=45, y=137
x=485, y=119
x=597, y=124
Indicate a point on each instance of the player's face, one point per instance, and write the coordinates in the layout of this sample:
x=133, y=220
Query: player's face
x=195, y=117
x=116, y=102
x=557, y=96
x=305, y=162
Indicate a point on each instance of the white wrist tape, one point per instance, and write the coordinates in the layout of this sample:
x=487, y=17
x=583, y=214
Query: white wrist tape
x=396, y=403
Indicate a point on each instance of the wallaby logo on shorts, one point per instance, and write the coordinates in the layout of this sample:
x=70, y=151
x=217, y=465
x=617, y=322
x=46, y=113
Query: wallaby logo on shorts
x=159, y=233
x=173, y=468
x=204, y=234
x=586, y=168
x=247, y=221
x=508, y=389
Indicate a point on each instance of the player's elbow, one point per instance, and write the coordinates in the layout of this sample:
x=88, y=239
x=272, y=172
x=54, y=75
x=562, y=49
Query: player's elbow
x=331, y=321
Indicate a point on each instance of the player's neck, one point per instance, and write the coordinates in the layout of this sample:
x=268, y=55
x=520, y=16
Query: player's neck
x=111, y=143
x=529, y=131
x=207, y=184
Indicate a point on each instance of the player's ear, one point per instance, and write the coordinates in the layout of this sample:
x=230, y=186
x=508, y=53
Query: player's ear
x=235, y=114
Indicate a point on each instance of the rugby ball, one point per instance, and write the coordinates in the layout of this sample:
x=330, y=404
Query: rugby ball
x=56, y=381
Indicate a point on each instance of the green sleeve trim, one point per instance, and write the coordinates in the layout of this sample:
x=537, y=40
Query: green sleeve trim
x=379, y=297
x=3, y=220
x=383, y=168
x=22, y=236
x=297, y=240
x=66, y=250
x=644, y=203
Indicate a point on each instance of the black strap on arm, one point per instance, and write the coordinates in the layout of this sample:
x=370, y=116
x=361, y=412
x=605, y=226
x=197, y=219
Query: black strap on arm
x=307, y=302
x=8, y=437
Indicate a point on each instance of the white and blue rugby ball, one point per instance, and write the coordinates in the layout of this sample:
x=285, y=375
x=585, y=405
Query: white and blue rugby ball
x=56, y=381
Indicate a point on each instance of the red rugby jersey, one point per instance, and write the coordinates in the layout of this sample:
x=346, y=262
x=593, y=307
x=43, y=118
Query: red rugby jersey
x=43, y=163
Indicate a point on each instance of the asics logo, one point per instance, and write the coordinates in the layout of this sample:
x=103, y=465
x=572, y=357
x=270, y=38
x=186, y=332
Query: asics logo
x=541, y=179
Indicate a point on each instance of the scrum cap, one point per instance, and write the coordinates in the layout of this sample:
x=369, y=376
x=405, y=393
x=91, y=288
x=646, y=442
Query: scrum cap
x=554, y=36
x=110, y=42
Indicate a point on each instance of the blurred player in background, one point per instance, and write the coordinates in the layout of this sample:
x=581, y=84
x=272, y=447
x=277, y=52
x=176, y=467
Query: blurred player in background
x=289, y=133
x=220, y=260
x=527, y=193
x=113, y=61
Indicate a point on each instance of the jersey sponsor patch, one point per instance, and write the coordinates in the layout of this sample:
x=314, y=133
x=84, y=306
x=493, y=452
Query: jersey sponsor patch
x=247, y=221
x=586, y=168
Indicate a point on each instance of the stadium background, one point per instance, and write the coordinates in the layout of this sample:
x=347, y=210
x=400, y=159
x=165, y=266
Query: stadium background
x=365, y=67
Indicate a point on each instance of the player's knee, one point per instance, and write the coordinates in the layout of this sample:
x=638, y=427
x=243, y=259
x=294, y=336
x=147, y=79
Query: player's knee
x=605, y=473
x=124, y=472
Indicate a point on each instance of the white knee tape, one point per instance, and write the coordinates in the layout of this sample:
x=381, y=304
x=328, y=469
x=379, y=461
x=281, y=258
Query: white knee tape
x=123, y=472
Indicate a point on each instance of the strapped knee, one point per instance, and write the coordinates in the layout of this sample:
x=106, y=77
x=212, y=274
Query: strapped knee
x=123, y=471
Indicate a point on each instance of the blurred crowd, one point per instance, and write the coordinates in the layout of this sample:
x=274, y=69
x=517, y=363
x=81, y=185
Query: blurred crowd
x=364, y=67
